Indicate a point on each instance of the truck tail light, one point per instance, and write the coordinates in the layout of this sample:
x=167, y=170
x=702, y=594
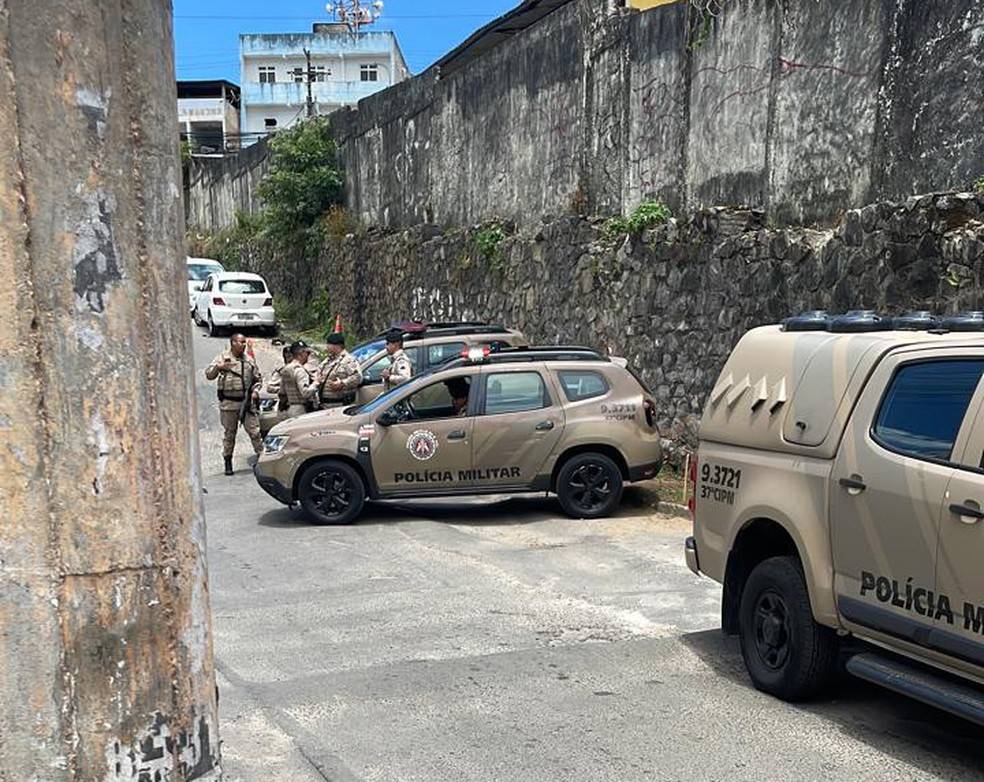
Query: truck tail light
x=692, y=486
x=218, y=301
x=268, y=302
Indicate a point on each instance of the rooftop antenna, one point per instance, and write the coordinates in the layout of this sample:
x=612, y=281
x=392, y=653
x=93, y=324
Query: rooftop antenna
x=355, y=13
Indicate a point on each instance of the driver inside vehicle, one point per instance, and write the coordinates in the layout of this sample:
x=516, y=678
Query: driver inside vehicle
x=458, y=391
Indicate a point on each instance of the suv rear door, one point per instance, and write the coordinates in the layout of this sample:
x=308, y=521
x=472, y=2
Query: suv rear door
x=519, y=423
x=888, y=488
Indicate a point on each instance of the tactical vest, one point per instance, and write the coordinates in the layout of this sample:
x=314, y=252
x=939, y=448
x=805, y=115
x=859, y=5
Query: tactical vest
x=288, y=386
x=232, y=386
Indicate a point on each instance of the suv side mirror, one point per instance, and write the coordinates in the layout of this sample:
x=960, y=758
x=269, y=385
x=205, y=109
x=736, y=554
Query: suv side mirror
x=387, y=418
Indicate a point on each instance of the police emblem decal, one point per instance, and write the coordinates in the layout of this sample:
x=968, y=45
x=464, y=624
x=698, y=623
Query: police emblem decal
x=422, y=445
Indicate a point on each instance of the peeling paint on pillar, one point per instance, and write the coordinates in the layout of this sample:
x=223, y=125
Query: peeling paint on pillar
x=105, y=632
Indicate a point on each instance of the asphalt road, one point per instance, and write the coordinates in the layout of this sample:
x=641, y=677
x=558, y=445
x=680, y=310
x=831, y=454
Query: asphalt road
x=498, y=640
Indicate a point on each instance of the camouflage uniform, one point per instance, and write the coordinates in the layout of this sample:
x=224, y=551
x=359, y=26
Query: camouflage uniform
x=345, y=369
x=298, y=389
x=234, y=386
x=400, y=370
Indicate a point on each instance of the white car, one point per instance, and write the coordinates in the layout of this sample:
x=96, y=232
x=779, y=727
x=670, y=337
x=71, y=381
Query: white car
x=238, y=300
x=198, y=271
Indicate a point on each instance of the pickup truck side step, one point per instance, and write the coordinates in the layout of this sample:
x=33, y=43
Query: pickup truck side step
x=919, y=683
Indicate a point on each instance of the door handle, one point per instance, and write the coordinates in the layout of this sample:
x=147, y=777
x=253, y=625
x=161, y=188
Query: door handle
x=968, y=513
x=457, y=434
x=854, y=485
x=544, y=426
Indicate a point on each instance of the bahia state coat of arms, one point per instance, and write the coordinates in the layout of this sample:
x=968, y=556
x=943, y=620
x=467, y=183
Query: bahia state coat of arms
x=422, y=445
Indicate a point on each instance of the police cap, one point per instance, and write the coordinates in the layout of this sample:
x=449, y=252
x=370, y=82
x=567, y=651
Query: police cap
x=299, y=347
x=394, y=336
x=335, y=338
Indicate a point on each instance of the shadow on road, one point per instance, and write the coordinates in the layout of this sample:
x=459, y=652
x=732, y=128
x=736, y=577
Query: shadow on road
x=891, y=723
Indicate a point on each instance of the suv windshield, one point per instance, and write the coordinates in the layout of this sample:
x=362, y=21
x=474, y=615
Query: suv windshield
x=200, y=271
x=387, y=396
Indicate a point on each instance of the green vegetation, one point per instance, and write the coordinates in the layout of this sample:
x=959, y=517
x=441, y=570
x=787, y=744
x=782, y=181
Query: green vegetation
x=979, y=185
x=303, y=182
x=646, y=215
x=703, y=14
x=486, y=242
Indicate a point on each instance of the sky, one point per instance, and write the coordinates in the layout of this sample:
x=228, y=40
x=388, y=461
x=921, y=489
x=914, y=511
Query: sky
x=206, y=35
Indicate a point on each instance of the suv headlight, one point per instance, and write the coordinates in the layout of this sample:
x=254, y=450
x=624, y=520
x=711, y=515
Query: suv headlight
x=274, y=443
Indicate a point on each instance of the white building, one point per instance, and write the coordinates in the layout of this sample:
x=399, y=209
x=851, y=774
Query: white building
x=346, y=67
x=208, y=115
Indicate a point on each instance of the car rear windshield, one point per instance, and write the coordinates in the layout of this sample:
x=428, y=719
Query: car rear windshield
x=200, y=271
x=242, y=286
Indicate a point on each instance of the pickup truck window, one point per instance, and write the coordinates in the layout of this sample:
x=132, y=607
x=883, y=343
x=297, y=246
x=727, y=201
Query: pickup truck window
x=924, y=406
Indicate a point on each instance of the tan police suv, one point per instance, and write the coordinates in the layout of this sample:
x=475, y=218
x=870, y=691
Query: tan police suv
x=838, y=495
x=427, y=345
x=560, y=419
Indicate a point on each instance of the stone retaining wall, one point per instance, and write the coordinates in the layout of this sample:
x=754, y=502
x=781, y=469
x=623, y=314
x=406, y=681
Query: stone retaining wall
x=673, y=300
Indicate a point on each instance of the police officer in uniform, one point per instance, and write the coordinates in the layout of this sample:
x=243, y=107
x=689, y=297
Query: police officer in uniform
x=238, y=380
x=400, y=370
x=298, y=390
x=339, y=375
x=273, y=384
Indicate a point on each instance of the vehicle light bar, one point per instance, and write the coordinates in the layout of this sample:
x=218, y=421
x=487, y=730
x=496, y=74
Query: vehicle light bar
x=477, y=353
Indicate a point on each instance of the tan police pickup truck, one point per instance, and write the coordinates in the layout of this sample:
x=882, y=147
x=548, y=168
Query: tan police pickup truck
x=838, y=493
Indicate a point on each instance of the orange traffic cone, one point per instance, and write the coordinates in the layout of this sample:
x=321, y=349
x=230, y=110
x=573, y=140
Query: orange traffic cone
x=338, y=324
x=249, y=349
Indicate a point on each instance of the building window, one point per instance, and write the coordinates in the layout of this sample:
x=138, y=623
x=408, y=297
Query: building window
x=270, y=123
x=268, y=74
x=298, y=75
x=369, y=72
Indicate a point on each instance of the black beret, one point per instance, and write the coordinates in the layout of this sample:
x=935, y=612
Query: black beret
x=335, y=338
x=394, y=335
x=298, y=346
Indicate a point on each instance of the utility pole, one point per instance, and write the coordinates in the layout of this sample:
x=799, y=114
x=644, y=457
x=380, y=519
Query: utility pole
x=106, y=666
x=309, y=77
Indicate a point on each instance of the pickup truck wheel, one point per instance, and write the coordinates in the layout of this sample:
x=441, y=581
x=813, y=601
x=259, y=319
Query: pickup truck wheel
x=331, y=492
x=786, y=652
x=589, y=486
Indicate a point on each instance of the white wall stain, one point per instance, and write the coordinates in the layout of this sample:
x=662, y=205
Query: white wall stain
x=99, y=438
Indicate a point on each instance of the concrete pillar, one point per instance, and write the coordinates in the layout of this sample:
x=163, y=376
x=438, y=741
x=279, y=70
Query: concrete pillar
x=105, y=635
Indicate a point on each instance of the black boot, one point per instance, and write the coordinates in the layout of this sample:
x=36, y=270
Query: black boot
x=228, y=465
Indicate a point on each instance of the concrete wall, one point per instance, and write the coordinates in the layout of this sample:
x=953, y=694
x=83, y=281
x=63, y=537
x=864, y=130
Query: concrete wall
x=216, y=190
x=674, y=300
x=802, y=107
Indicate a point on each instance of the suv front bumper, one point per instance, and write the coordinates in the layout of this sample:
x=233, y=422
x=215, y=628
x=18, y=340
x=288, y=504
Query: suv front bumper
x=273, y=487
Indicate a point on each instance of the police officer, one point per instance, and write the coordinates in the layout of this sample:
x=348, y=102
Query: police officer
x=273, y=384
x=400, y=370
x=238, y=381
x=458, y=388
x=297, y=387
x=339, y=375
